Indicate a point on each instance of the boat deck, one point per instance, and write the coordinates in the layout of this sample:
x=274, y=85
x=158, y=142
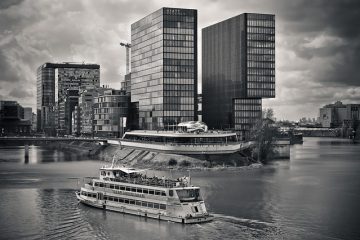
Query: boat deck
x=151, y=181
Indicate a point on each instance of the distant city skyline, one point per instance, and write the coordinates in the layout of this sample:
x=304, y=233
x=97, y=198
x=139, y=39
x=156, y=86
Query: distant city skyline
x=317, y=47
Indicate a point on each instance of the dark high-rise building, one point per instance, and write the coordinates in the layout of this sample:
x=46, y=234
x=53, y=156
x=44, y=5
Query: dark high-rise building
x=238, y=70
x=12, y=120
x=164, y=67
x=53, y=80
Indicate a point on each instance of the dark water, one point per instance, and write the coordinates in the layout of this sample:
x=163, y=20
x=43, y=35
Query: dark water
x=315, y=195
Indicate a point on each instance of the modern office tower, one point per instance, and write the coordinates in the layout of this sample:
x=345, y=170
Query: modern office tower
x=164, y=67
x=53, y=79
x=238, y=70
x=110, y=113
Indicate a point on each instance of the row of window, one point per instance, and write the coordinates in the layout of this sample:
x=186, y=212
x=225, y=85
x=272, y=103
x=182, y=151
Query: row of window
x=259, y=71
x=261, y=92
x=179, y=18
x=247, y=114
x=131, y=189
x=174, y=87
x=179, y=37
x=178, y=113
x=257, y=64
x=179, y=49
x=178, y=107
x=180, y=43
x=261, y=23
x=178, y=93
x=261, y=44
x=179, y=74
x=177, y=24
x=247, y=101
x=239, y=107
x=255, y=78
x=179, y=55
x=261, y=85
x=179, y=31
x=270, y=51
x=179, y=69
x=179, y=100
x=265, y=58
x=178, y=62
x=111, y=104
x=261, y=37
x=135, y=202
x=261, y=30
x=127, y=201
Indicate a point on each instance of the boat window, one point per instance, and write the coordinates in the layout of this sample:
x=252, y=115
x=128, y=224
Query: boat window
x=126, y=201
x=157, y=192
x=121, y=200
x=122, y=188
x=117, y=187
x=144, y=204
x=108, y=173
x=103, y=173
x=163, y=193
x=101, y=185
x=171, y=193
x=162, y=206
x=150, y=205
x=111, y=185
x=132, y=202
x=133, y=189
x=96, y=184
x=107, y=185
x=145, y=191
x=111, y=198
x=128, y=189
x=138, y=203
x=139, y=190
x=188, y=195
x=116, y=199
x=151, y=191
x=105, y=197
x=156, y=205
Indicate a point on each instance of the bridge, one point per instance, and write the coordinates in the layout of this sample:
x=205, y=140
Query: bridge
x=29, y=139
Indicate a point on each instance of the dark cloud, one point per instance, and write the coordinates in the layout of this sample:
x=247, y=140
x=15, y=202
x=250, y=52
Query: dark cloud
x=20, y=93
x=8, y=3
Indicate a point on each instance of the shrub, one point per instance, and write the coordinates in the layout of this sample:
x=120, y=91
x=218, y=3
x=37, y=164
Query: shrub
x=172, y=162
x=185, y=163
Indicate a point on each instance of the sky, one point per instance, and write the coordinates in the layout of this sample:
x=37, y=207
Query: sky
x=317, y=44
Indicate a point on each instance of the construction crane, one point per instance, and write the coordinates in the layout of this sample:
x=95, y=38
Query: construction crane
x=127, y=46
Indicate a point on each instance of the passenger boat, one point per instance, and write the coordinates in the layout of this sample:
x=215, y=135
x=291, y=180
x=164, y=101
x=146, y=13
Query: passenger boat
x=129, y=190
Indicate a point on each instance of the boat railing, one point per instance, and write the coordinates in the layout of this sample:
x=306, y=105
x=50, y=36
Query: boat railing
x=182, y=144
x=155, y=181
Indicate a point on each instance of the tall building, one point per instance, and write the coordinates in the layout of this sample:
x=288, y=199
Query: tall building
x=164, y=67
x=238, y=70
x=53, y=80
x=110, y=113
x=66, y=107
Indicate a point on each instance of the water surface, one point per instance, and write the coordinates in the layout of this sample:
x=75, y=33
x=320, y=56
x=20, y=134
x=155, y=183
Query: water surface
x=315, y=195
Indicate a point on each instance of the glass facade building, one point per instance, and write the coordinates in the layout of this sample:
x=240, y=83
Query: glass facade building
x=110, y=113
x=53, y=80
x=238, y=70
x=164, y=67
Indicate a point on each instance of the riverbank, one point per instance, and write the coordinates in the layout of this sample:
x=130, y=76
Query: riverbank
x=140, y=158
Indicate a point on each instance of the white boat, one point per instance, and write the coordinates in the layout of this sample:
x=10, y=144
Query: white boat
x=129, y=190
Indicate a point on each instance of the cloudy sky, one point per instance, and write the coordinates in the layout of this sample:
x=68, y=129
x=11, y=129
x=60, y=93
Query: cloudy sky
x=317, y=44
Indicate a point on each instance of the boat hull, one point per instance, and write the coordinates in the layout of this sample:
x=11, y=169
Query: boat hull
x=142, y=213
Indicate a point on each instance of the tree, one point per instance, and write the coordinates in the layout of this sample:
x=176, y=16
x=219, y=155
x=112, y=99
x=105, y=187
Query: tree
x=264, y=134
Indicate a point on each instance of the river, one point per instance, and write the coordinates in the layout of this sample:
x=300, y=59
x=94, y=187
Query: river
x=314, y=195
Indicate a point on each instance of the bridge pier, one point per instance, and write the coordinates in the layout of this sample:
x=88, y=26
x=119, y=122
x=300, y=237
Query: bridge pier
x=26, y=153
